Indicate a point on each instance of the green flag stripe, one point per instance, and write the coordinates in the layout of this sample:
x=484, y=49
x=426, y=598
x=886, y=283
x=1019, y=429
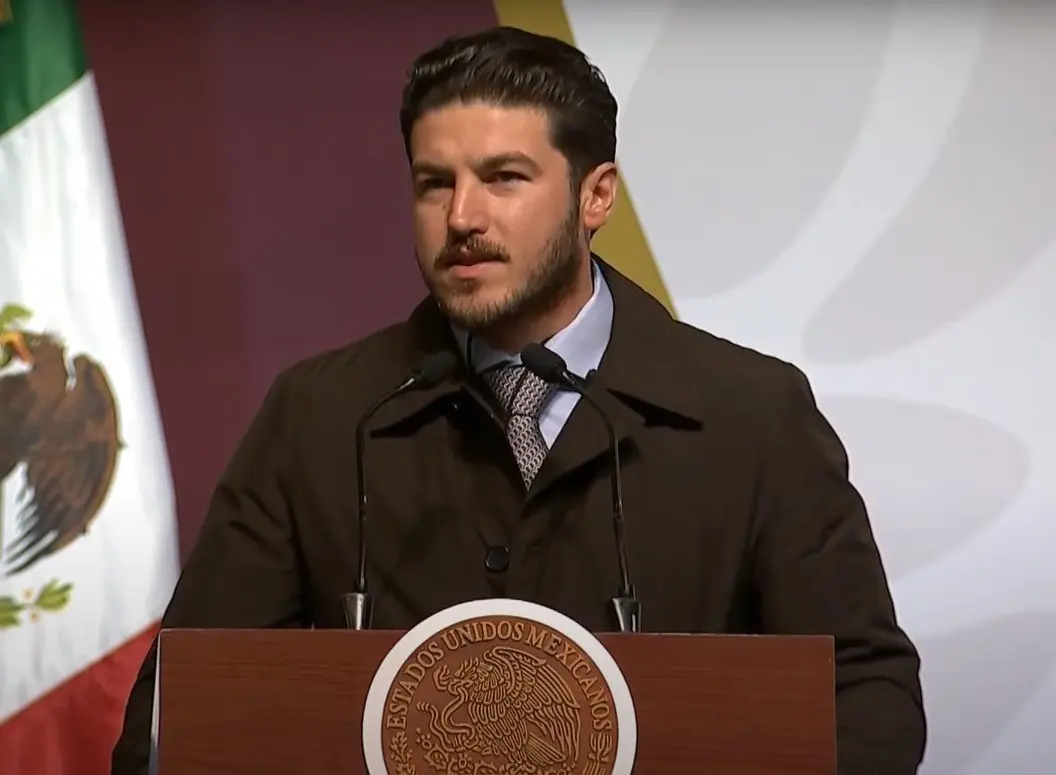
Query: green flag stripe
x=41, y=55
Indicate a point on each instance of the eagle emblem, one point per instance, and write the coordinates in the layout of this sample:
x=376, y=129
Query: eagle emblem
x=59, y=422
x=516, y=707
x=498, y=692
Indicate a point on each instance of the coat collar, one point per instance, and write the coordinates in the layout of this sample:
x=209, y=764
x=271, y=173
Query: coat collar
x=648, y=356
x=644, y=367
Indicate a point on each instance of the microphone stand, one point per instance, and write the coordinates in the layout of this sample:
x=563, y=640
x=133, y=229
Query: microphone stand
x=358, y=605
x=548, y=365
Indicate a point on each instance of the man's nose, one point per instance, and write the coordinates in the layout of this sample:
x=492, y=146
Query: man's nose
x=468, y=211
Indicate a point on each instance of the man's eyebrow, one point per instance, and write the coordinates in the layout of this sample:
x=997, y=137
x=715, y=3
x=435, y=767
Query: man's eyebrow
x=428, y=168
x=513, y=158
x=485, y=164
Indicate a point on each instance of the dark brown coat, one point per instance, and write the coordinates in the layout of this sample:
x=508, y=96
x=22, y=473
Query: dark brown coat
x=740, y=515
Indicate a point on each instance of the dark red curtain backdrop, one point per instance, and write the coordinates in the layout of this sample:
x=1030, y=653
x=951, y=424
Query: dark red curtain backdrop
x=264, y=191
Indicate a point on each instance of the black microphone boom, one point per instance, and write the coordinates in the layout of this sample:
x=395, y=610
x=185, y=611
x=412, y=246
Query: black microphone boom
x=548, y=365
x=433, y=370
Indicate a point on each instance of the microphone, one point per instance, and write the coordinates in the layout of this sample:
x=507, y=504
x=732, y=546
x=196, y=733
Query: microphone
x=549, y=366
x=433, y=370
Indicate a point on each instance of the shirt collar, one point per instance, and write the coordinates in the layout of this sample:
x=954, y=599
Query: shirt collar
x=581, y=343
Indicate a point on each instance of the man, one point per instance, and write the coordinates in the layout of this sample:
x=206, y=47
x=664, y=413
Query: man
x=740, y=514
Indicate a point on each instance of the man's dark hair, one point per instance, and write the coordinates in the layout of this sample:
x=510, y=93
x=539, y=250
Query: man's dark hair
x=514, y=68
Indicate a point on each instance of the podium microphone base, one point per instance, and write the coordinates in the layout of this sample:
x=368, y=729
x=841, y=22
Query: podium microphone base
x=628, y=614
x=358, y=610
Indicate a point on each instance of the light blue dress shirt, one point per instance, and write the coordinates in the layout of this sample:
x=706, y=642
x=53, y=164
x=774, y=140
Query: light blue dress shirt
x=581, y=343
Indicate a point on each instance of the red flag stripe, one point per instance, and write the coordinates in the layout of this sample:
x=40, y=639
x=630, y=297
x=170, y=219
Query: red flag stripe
x=72, y=729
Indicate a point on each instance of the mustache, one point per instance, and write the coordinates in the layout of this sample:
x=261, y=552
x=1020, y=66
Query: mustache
x=475, y=250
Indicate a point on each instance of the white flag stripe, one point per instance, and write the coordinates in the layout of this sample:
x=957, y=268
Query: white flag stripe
x=63, y=256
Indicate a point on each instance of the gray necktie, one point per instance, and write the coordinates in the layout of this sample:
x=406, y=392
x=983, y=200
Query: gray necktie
x=522, y=396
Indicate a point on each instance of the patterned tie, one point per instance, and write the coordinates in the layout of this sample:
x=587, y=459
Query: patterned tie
x=522, y=396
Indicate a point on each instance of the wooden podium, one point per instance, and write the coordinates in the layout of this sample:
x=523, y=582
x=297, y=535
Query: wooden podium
x=264, y=702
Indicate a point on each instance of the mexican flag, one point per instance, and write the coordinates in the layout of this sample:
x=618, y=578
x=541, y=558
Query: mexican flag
x=88, y=546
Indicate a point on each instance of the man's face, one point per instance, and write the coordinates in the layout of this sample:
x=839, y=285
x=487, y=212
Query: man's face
x=498, y=233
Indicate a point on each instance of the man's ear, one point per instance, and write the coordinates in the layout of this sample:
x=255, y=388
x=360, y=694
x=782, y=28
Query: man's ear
x=598, y=196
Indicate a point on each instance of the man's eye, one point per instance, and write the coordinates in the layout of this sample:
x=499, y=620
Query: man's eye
x=506, y=176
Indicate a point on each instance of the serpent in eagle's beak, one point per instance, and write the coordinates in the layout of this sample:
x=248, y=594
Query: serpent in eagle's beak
x=15, y=343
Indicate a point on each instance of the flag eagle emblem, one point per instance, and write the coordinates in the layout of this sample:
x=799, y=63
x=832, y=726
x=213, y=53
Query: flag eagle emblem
x=59, y=419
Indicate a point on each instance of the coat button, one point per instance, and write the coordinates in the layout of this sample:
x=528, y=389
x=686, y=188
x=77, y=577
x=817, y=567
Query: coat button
x=497, y=559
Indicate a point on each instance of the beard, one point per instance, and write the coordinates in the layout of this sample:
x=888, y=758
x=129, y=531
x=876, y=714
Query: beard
x=549, y=280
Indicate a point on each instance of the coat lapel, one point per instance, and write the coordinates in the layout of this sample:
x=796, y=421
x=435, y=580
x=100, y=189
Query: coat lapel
x=639, y=382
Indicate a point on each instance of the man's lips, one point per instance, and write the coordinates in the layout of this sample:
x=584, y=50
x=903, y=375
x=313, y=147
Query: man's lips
x=469, y=260
x=469, y=268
